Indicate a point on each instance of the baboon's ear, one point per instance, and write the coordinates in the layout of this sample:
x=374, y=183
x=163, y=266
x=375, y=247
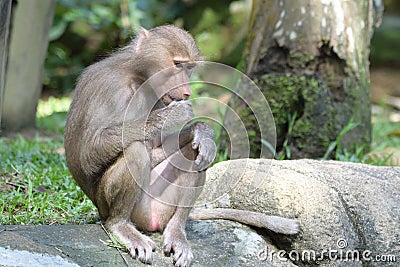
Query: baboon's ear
x=143, y=34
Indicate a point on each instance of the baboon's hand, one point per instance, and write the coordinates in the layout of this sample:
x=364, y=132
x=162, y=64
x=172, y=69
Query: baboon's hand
x=172, y=118
x=177, y=114
x=203, y=141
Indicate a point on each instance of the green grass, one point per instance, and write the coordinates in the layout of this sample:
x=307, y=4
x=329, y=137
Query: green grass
x=36, y=186
x=385, y=146
x=336, y=149
x=386, y=134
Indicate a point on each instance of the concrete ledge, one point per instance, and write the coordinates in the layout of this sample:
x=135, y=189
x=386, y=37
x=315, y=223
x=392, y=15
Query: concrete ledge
x=216, y=243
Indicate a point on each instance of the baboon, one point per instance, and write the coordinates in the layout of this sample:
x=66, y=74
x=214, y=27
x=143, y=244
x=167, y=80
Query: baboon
x=132, y=148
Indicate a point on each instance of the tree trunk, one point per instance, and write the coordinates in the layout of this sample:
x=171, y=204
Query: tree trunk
x=28, y=46
x=5, y=11
x=310, y=59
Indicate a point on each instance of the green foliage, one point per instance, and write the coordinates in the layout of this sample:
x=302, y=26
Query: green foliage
x=285, y=153
x=392, y=6
x=385, y=148
x=76, y=38
x=83, y=31
x=51, y=113
x=385, y=43
x=385, y=134
x=385, y=143
x=335, y=145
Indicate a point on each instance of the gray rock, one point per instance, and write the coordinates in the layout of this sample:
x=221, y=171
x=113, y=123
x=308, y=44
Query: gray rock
x=216, y=243
x=348, y=207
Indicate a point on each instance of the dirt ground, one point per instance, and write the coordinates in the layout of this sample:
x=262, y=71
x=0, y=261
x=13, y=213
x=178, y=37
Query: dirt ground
x=385, y=86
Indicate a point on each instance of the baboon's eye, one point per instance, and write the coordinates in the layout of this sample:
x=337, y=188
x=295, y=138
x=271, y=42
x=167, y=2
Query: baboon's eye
x=178, y=64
